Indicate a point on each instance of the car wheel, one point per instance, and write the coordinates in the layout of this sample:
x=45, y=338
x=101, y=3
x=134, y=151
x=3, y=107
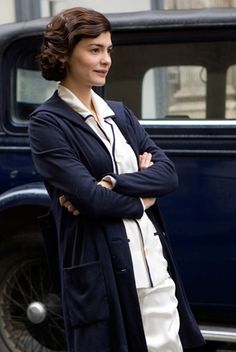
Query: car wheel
x=30, y=312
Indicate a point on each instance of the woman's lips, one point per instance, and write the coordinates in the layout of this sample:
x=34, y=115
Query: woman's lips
x=101, y=73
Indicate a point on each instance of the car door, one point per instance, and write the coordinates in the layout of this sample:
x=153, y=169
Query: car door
x=181, y=85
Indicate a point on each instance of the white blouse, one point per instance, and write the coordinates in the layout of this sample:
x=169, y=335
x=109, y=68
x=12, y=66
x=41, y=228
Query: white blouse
x=150, y=266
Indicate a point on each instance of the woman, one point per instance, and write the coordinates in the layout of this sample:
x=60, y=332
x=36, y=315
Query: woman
x=103, y=174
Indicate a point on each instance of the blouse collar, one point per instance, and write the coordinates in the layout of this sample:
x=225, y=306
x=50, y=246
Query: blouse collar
x=102, y=109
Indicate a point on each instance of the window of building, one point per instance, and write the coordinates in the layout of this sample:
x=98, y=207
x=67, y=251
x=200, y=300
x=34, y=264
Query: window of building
x=174, y=92
x=230, y=101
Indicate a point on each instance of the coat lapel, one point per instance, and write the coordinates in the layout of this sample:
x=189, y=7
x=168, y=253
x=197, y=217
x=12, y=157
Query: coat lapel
x=58, y=107
x=120, y=119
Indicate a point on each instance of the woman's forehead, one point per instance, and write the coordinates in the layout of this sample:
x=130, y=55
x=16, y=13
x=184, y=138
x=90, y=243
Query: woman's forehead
x=104, y=39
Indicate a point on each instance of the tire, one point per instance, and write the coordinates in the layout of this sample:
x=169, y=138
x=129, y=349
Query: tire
x=30, y=312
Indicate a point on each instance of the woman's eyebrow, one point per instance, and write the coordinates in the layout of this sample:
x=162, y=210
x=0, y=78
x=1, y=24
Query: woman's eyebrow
x=101, y=45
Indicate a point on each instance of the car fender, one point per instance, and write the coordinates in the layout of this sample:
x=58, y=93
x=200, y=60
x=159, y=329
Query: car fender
x=27, y=194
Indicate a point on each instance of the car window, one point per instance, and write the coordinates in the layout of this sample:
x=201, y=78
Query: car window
x=175, y=81
x=26, y=88
x=174, y=92
x=31, y=90
x=230, y=103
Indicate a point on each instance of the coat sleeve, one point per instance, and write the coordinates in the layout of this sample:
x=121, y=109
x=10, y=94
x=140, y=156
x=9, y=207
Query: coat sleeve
x=57, y=163
x=155, y=181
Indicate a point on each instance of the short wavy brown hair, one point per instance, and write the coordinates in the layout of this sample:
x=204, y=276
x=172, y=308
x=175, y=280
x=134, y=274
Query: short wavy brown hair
x=62, y=34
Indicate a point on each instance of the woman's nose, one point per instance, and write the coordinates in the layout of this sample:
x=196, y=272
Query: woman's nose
x=106, y=59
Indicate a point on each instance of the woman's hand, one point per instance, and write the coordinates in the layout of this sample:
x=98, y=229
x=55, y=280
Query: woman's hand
x=144, y=163
x=105, y=184
x=148, y=202
x=145, y=160
x=64, y=202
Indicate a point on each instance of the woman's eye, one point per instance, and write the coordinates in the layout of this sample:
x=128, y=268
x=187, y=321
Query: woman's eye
x=94, y=51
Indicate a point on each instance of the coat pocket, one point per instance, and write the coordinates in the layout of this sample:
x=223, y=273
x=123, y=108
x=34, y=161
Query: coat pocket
x=85, y=294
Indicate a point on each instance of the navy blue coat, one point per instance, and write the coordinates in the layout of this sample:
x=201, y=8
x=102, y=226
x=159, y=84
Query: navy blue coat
x=100, y=303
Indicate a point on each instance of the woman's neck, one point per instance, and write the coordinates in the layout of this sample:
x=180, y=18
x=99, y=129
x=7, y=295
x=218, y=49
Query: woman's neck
x=82, y=93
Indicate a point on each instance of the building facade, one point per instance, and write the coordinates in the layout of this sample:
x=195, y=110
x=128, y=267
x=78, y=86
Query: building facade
x=18, y=10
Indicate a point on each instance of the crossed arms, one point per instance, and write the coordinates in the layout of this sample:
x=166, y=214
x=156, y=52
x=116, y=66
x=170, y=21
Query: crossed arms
x=145, y=160
x=56, y=161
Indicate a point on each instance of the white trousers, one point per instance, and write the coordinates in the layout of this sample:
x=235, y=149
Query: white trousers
x=160, y=317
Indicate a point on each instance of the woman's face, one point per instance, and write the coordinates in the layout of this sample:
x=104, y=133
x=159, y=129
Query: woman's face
x=89, y=63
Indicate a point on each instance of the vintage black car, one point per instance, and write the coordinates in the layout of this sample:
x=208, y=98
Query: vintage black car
x=177, y=71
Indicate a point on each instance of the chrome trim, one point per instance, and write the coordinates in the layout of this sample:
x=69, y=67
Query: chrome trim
x=218, y=333
x=200, y=152
x=184, y=123
x=17, y=148
x=36, y=312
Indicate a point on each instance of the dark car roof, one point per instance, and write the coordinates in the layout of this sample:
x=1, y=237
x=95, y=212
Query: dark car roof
x=173, y=19
x=135, y=21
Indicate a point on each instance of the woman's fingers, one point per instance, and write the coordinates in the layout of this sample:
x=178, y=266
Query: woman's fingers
x=145, y=160
x=62, y=200
x=105, y=184
x=148, y=202
x=68, y=205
